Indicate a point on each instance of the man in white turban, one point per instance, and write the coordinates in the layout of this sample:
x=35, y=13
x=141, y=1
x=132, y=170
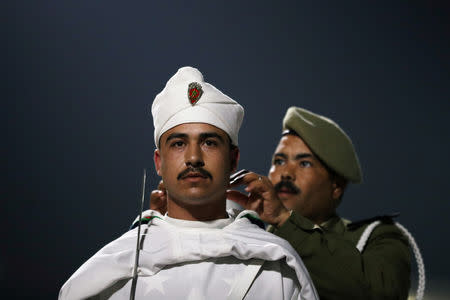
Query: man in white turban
x=197, y=250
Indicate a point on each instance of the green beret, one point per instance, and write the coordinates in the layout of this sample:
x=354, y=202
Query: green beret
x=326, y=140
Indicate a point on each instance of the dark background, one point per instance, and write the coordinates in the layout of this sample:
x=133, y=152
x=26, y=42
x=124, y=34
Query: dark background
x=79, y=77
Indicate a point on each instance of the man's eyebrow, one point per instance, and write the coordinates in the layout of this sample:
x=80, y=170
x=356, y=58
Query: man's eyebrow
x=176, y=135
x=303, y=155
x=280, y=154
x=297, y=157
x=206, y=135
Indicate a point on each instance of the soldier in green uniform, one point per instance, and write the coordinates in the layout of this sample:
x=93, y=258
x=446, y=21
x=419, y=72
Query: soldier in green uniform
x=311, y=167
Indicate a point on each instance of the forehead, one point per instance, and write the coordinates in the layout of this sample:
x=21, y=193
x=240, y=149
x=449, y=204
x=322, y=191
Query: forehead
x=292, y=144
x=192, y=130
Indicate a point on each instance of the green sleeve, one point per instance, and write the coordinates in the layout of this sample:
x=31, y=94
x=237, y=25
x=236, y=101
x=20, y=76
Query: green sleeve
x=340, y=271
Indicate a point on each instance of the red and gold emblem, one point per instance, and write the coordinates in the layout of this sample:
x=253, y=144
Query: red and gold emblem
x=194, y=92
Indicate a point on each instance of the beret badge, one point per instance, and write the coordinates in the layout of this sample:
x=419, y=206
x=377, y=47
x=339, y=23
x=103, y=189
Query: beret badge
x=194, y=92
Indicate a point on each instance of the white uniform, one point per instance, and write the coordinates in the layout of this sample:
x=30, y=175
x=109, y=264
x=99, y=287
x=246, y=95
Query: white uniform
x=194, y=260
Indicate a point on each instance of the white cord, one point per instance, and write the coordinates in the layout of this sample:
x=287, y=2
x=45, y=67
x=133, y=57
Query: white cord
x=419, y=260
x=365, y=236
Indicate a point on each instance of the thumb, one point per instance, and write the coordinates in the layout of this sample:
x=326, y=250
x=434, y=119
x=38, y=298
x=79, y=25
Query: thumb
x=157, y=198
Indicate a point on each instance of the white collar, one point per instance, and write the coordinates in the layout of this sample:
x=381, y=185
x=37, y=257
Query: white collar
x=214, y=224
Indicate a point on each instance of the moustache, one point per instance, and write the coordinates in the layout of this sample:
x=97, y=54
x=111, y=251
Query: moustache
x=202, y=171
x=288, y=185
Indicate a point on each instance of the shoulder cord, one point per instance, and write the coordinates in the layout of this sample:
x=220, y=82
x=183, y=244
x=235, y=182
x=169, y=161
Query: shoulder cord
x=419, y=260
x=365, y=236
x=418, y=256
x=138, y=241
x=148, y=222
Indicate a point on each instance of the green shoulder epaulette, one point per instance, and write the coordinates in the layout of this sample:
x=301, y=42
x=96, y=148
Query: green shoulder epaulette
x=388, y=219
x=144, y=220
x=255, y=220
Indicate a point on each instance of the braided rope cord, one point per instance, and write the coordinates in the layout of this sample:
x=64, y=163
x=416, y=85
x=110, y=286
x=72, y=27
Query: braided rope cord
x=417, y=255
x=419, y=260
x=365, y=236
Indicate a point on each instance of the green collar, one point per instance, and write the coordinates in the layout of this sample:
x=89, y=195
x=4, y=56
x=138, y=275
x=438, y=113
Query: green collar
x=334, y=224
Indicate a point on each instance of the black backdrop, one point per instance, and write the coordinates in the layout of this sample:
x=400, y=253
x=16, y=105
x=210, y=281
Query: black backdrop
x=79, y=77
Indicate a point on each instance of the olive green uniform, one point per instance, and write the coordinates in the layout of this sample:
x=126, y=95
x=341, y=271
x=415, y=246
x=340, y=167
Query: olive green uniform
x=339, y=270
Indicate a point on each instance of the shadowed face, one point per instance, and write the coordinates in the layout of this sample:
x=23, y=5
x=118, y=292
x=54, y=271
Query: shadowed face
x=195, y=162
x=302, y=182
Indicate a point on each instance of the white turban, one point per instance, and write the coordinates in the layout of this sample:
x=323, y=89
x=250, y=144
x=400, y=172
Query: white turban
x=187, y=98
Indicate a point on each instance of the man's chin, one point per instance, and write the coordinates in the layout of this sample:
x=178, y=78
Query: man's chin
x=196, y=196
x=289, y=200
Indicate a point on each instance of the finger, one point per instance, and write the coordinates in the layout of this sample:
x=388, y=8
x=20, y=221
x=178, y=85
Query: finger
x=161, y=186
x=254, y=203
x=245, y=179
x=159, y=204
x=260, y=185
x=157, y=196
x=237, y=197
x=161, y=209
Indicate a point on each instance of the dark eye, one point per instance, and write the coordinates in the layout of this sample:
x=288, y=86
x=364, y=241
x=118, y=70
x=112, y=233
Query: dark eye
x=305, y=164
x=210, y=143
x=177, y=144
x=278, y=161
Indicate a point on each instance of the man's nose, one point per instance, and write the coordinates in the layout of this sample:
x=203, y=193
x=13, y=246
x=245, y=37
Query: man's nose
x=288, y=173
x=194, y=157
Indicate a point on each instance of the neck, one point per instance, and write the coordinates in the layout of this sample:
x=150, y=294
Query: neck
x=318, y=220
x=197, y=212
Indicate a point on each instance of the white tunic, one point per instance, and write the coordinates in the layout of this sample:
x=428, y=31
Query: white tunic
x=193, y=260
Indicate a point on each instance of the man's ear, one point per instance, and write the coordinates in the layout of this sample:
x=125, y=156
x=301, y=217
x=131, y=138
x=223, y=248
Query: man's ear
x=338, y=186
x=234, y=158
x=157, y=160
x=337, y=191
